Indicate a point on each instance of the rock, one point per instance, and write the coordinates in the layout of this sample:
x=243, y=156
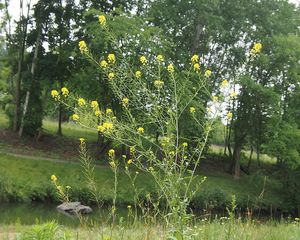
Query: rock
x=74, y=208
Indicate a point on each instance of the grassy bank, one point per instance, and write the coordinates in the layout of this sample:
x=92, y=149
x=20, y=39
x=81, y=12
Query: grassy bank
x=25, y=179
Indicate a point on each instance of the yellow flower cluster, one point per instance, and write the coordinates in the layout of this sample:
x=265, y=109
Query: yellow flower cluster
x=129, y=161
x=111, y=58
x=102, y=20
x=111, y=76
x=138, y=74
x=215, y=98
x=94, y=105
x=229, y=115
x=224, y=83
x=256, y=48
x=192, y=110
x=207, y=73
x=111, y=153
x=125, y=102
x=105, y=127
x=97, y=113
x=109, y=111
x=132, y=150
x=83, y=47
x=81, y=102
x=195, y=58
x=196, y=67
x=172, y=154
x=103, y=64
x=82, y=140
x=170, y=68
x=184, y=144
x=160, y=58
x=53, y=178
x=158, y=84
x=65, y=91
x=143, y=60
x=75, y=117
x=55, y=94
x=233, y=94
x=164, y=141
x=141, y=130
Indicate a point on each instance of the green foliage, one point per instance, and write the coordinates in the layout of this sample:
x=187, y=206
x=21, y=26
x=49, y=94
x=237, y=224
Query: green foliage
x=46, y=231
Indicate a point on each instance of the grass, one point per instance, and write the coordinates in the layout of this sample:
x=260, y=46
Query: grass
x=32, y=174
x=264, y=158
x=215, y=230
x=70, y=129
x=31, y=179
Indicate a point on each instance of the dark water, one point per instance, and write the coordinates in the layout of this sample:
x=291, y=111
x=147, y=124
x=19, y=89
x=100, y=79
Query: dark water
x=28, y=214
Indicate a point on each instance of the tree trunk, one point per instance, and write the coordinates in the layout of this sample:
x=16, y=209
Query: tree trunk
x=32, y=71
x=250, y=159
x=236, y=159
x=59, y=131
x=22, y=41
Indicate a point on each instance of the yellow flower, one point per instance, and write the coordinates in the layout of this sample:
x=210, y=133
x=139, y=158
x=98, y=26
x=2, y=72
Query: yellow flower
x=195, y=58
x=112, y=164
x=81, y=102
x=54, y=94
x=75, y=117
x=82, y=47
x=256, y=48
x=184, y=144
x=81, y=140
x=109, y=111
x=143, y=60
x=94, y=104
x=53, y=178
x=65, y=91
x=151, y=169
x=160, y=58
x=164, y=140
x=68, y=187
x=172, y=154
x=111, y=58
x=129, y=161
x=102, y=20
x=229, y=115
x=101, y=128
x=97, y=113
x=138, y=74
x=196, y=67
x=192, y=110
x=108, y=126
x=140, y=130
x=215, y=98
x=111, y=153
x=129, y=206
x=207, y=73
x=111, y=76
x=233, y=94
x=132, y=150
x=170, y=68
x=224, y=83
x=103, y=64
x=158, y=84
x=125, y=101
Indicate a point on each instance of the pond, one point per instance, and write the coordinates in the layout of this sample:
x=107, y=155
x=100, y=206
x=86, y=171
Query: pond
x=28, y=214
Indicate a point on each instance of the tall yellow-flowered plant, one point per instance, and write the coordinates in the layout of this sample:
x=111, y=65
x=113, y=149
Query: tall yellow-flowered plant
x=153, y=100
